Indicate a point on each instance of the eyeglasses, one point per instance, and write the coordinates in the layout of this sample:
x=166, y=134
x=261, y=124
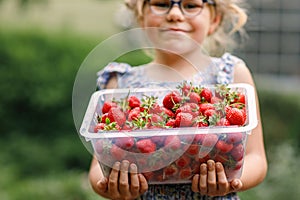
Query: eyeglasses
x=189, y=8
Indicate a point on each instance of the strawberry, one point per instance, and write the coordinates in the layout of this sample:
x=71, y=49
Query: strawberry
x=108, y=105
x=117, y=153
x=104, y=117
x=170, y=123
x=155, y=109
x=125, y=142
x=183, y=120
x=171, y=99
x=156, y=118
x=215, y=100
x=173, y=142
x=183, y=161
x=206, y=106
x=223, y=147
x=134, y=114
x=191, y=108
x=237, y=152
x=117, y=115
x=146, y=146
x=234, y=137
x=205, y=95
x=194, y=97
x=170, y=170
x=240, y=98
x=222, y=158
x=168, y=112
x=133, y=102
x=223, y=122
x=193, y=150
x=210, y=140
x=235, y=116
x=99, y=127
x=185, y=173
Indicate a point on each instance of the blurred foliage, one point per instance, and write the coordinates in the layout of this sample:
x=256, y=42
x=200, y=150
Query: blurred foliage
x=42, y=156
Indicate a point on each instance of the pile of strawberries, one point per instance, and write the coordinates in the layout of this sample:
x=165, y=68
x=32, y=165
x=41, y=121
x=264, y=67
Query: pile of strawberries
x=174, y=158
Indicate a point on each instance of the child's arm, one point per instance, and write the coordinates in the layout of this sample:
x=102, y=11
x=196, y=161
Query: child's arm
x=212, y=179
x=255, y=164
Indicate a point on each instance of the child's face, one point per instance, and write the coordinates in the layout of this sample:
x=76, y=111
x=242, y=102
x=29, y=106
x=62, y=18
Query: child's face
x=174, y=30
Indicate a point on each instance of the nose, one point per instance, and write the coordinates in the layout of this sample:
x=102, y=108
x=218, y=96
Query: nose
x=175, y=14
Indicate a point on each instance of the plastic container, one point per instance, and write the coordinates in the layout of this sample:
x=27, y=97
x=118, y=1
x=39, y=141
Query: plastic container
x=177, y=160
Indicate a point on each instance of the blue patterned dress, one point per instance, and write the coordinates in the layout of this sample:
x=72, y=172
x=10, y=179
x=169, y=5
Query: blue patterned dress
x=220, y=71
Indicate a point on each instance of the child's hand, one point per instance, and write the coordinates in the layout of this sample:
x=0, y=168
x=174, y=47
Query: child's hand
x=212, y=180
x=123, y=182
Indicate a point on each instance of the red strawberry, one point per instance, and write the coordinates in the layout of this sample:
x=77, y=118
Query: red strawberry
x=173, y=142
x=117, y=153
x=99, y=127
x=191, y=108
x=193, y=150
x=183, y=120
x=206, y=106
x=104, y=117
x=210, y=140
x=215, y=99
x=234, y=137
x=170, y=170
x=224, y=147
x=206, y=95
x=223, y=122
x=237, y=152
x=170, y=123
x=146, y=146
x=125, y=142
x=134, y=114
x=168, y=112
x=117, y=115
x=155, y=109
x=222, y=158
x=171, y=99
x=185, y=173
x=183, y=161
x=156, y=118
x=108, y=105
x=240, y=98
x=210, y=112
x=235, y=116
x=133, y=102
x=194, y=97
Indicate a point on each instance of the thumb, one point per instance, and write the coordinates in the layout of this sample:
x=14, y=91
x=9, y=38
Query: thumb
x=236, y=184
x=102, y=184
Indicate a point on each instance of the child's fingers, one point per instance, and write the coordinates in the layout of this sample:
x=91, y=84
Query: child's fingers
x=143, y=184
x=195, y=183
x=123, y=179
x=102, y=185
x=113, y=183
x=203, y=178
x=211, y=177
x=223, y=184
x=134, y=180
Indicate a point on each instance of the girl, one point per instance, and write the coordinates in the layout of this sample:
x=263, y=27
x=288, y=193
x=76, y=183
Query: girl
x=211, y=24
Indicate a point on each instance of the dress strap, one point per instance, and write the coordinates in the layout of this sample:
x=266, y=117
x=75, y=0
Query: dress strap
x=225, y=71
x=105, y=74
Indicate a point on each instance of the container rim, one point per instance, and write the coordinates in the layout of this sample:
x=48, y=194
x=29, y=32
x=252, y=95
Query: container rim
x=252, y=117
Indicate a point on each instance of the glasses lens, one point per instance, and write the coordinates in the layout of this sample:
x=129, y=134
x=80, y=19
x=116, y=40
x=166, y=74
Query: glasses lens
x=191, y=7
x=160, y=7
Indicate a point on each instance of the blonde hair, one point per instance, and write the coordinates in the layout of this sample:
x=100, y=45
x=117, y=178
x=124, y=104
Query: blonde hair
x=227, y=36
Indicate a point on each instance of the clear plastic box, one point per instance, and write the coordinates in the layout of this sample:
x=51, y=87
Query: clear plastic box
x=179, y=159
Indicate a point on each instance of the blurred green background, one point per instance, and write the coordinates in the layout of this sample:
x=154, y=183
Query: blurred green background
x=42, y=45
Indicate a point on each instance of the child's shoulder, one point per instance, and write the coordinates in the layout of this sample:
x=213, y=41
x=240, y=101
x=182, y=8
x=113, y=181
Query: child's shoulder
x=225, y=66
x=119, y=69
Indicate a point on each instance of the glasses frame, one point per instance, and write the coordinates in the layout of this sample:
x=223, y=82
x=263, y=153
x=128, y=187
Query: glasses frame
x=174, y=2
